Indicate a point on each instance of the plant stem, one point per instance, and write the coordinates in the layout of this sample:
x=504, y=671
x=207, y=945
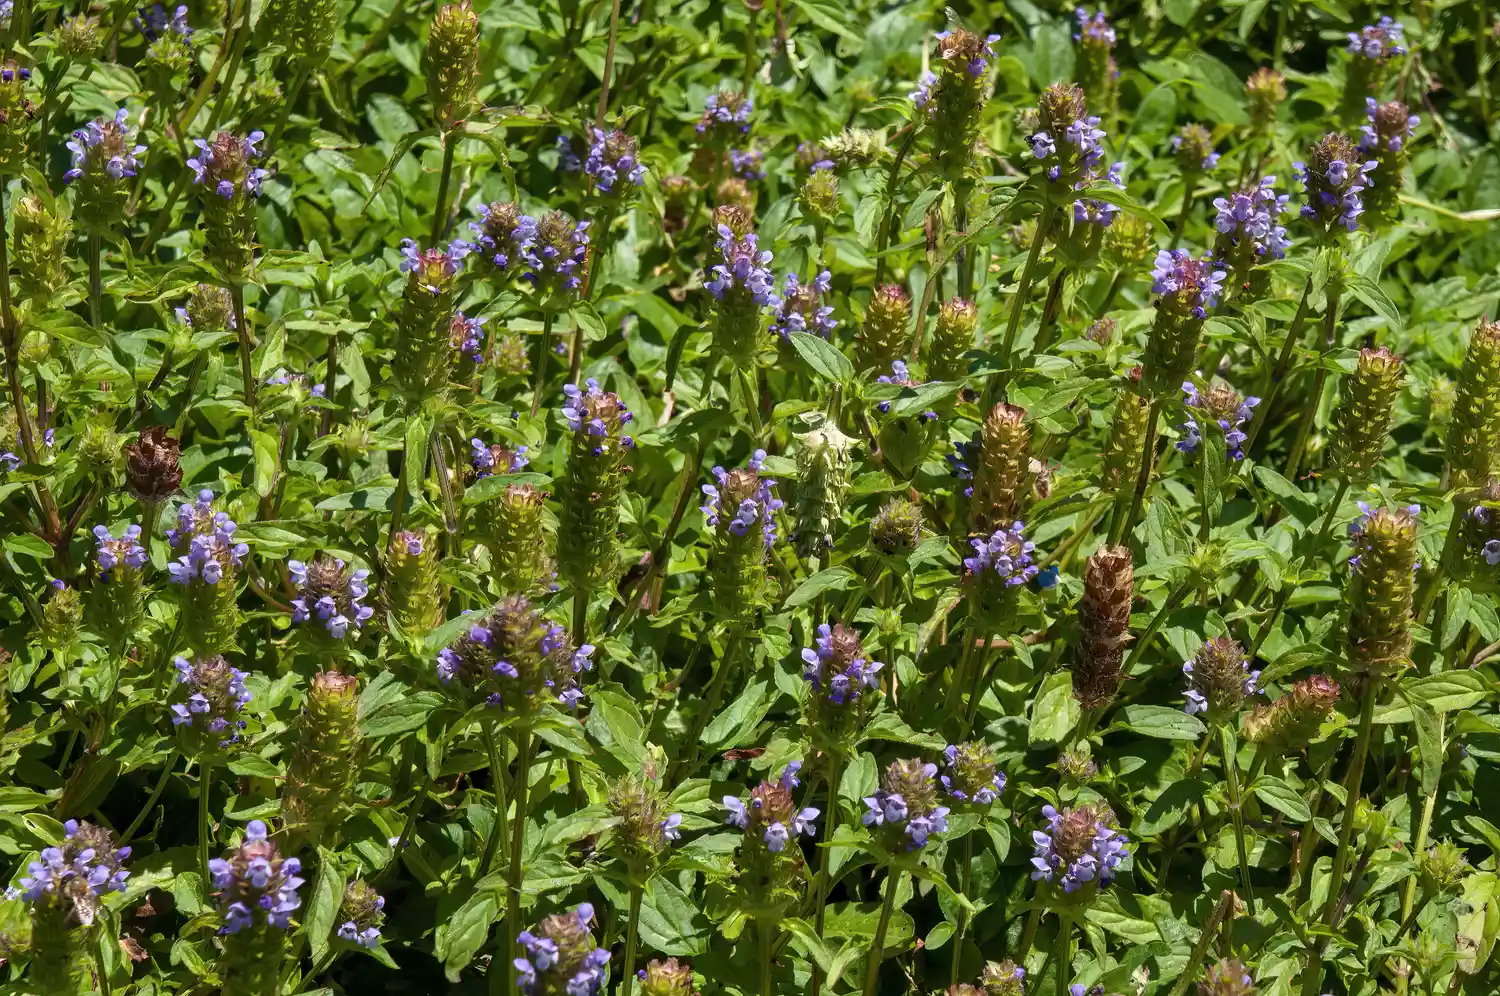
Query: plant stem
x=825, y=858
x=398, y=499
x=1272, y=384
x=242, y=327
x=1063, y=952
x=1352, y=783
x=955, y=687
x=872, y=970
x=1187, y=209
x=609, y=67
x=205, y=786
x=1424, y=828
x=961, y=193
x=1124, y=523
x=515, y=873
x=1232, y=779
x=1173, y=600
x=632, y=925
x=1028, y=271
x=883, y=241
x=299, y=80
x=1304, y=430
x=161, y=784
x=710, y=704
x=544, y=354
x=1200, y=949
x=764, y=935
x=1434, y=584
x=96, y=281
x=497, y=779
x=440, y=210
x=963, y=915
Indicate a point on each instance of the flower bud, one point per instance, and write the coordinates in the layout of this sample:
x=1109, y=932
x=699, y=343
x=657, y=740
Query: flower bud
x=104, y=166
x=1003, y=978
x=1381, y=589
x=1362, y=421
x=40, y=242
x=361, y=914
x=740, y=508
x=119, y=596
x=1333, y=178
x=897, y=528
x=151, y=469
x=667, y=978
x=999, y=461
x=1227, y=977
x=1384, y=137
x=170, y=51
x=839, y=674
x=734, y=191
x=971, y=774
x=100, y=449
x=305, y=27
x=210, y=309
x=514, y=527
x=1127, y=432
x=677, y=195
x=1076, y=767
x=953, y=98
x=453, y=63
x=514, y=659
x=885, y=334
x=1443, y=867
x=1104, y=618
x=645, y=827
x=1193, y=148
x=587, y=551
x=555, y=259
x=206, y=570
x=229, y=183
x=78, y=39
x=16, y=114
x=952, y=337
x=424, y=325
x=210, y=695
x=742, y=286
x=819, y=195
x=1127, y=242
x=1080, y=846
x=257, y=895
x=413, y=591
x=1290, y=723
x=822, y=480
x=1473, y=437
x=1265, y=92
x=561, y=958
x=1218, y=679
x=1188, y=288
x=62, y=615
x=325, y=756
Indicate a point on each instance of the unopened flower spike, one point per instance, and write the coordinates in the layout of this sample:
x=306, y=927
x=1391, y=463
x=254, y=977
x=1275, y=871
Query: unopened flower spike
x=666, y=978
x=1122, y=447
x=16, y=114
x=325, y=754
x=998, y=461
x=424, y=325
x=453, y=63
x=1079, y=848
x=905, y=810
x=740, y=510
x=1288, y=724
x=41, y=236
x=361, y=915
x=953, y=335
x=1265, y=92
x=514, y=659
x=1221, y=406
x=413, y=588
x=883, y=337
x=1218, y=680
x=1381, y=589
x=1472, y=442
x=823, y=458
x=1362, y=421
x=1227, y=977
x=1193, y=147
x=645, y=825
x=897, y=528
x=560, y=958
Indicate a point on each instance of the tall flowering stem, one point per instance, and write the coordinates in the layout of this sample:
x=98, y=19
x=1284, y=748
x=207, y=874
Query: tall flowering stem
x=1028, y=272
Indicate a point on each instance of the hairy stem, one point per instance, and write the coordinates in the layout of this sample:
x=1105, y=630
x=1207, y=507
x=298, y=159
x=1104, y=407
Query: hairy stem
x=877, y=944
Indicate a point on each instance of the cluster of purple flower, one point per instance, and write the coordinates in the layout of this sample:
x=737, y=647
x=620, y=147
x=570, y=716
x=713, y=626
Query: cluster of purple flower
x=1007, y=552
x=579, y=411
x=154, y=21
x=1226, y=408
x=901, y=374
x=216, y=693
x=1380, y=40
x=433, y=268
x=771, y=811
x=1194, y=283
x=760, y=507
x=208, y=538
x=748, y=164
x=557, y=253
x=503, y=235
x=285, y=378
x=330, y=593
x=1483, y=516
x=801, y=307
x=560, y=956
x=1251, y=214
x=113, y=552
x=1078, y=845
x=1370, y=137
x=85, y=867
x=225, y=163
x=104, y=138
x=913, y=811
x=612, y=156
x=256, y=884
x=726, y=108
x=487, y=459
x=813, y=155
x=1198, y=702
x=496, y=649
x=745, y=266
x=1209, y=160
x=838, y=665
x=1087, y=139
x=363, y=930
x=1096, y=27
x=972, y=775
x=466, y=336
x=976, y=62
x=1336, y=189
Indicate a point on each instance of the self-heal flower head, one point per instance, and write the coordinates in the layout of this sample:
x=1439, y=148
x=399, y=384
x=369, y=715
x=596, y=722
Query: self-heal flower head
x=771, y=817
x=123, y=554
x=612, y=162
x=1387, y=127
x=952, y=98
x=970, y=774
x=1069, y=144
x=1381, y=590
x=744, y=267
x=433, y=269
x=1333, y=178
x=361, y=915
x=1098, y=73
x=1218, y=679
x=205, y=543
x=1078, y=847
x=739, y=500
x=1377, y=42
x=494, y=458
x=225, y=164
x=104, y=158
x=560, y=958
x=952, y=336
x=748, y=164
x=555, y=256
x=1188, y=288
x=211, y=695
x=726, y=114
x=837, y=668
x=72, y=877
x=1005, y=554
x=255, y=885
x=1362, y=421
x=155, y=21
x=644, y=825
x=1194, y=148
x=1387, y=131
x=503, y=236
x=514, y=659
x=666, y=978
x=1222, y=405
x=1248, y=230
x=801, y=308
x=886, y=330
x=905, y=807
x=1290, y=722
x=1188, y=285
x=466, y=337
x=331, y=595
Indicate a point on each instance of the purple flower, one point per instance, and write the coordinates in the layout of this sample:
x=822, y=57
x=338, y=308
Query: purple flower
x=906, y=804
x=1224, y=407
x=1370, y=137
x=1378, y=41
x=255, y=883
x=103, y=149
x=1191, y=284
x=112, y=553
x=1247, y=218
x=1078, y=847
x=801, y=308
x=330, y=593
x=745, y=269
x=212, y=696
x=838, y=667
x=496, y=459
x=726, y=111
x=1007, y=553
x=749, y=497
x=86, y=866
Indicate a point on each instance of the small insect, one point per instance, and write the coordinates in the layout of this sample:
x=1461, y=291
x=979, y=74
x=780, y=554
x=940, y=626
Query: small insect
x=743, y=753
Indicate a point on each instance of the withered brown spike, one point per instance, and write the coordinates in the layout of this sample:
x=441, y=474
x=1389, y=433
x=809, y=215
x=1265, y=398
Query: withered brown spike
x=1104, y=617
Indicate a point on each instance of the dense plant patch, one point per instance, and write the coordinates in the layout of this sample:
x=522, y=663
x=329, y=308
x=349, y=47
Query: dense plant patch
x=768, y=496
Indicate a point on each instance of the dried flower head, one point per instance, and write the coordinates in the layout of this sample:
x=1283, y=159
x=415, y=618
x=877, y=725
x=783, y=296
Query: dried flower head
x=152, y=472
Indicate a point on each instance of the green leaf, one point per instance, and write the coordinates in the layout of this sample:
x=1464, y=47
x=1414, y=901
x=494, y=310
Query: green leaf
x=267, y=450
x=588, y=319
x=1055, y=712
x=1428, y=727
x=323, y=905
x=823, y=357
x=1376, y=299
x=253, y=766
x=890, y=727
x=404, y=145
x=1446, y=691
x=1161, y=722
x=416, y=454
x=828, y=579
x=28, y=545
x=365, y=499
x=735, y=723
x=1280, y=796
x=486, y=488
x=456, y=942
x=402, y=715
